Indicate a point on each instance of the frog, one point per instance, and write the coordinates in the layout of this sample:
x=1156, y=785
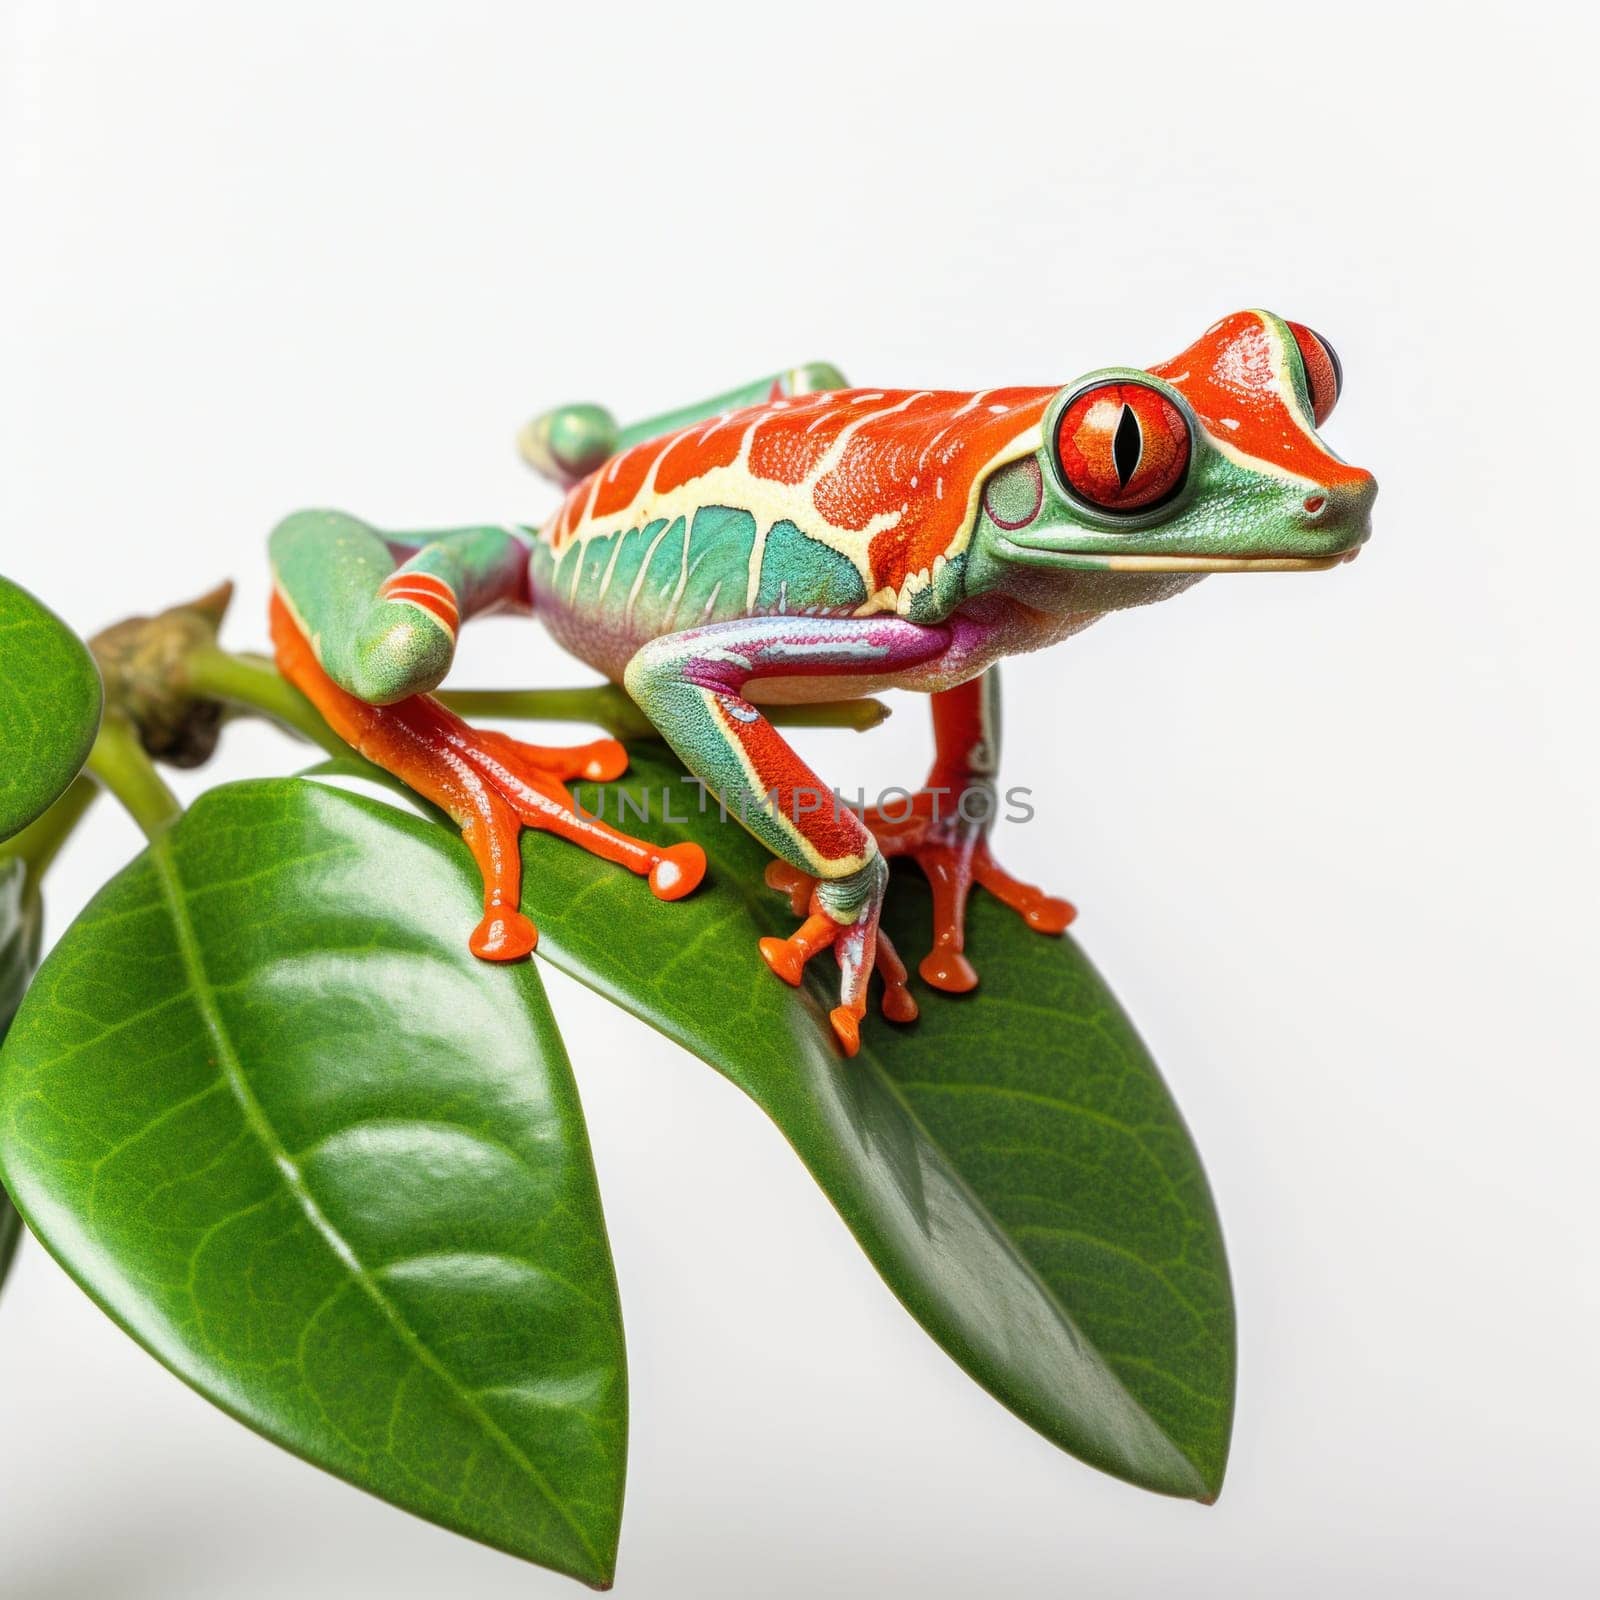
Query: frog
x=797, y=540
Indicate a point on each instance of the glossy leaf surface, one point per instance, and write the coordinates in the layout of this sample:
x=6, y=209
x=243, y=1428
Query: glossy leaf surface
x=49, y=707
x=265, y=1107
x=1012, y=1162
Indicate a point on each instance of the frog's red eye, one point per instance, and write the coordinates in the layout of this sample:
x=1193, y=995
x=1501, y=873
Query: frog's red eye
x=1324, y=375
x=1122, y=447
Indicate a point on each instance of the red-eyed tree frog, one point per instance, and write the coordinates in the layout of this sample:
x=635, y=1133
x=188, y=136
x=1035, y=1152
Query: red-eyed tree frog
x=799, y=540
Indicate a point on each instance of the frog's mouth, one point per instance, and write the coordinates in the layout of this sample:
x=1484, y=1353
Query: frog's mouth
x=1081, y=561
x=1229, y=563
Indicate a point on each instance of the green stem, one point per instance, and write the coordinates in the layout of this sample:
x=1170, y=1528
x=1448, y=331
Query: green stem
x=255, y=684
x=602, y=704
x=608, y=707
x=858, y=715
x=119, y=761
x=38, y=844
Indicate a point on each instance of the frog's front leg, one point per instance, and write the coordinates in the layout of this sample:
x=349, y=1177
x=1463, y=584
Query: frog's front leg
x=692, y=686
x=364, y=639
x=945, y=827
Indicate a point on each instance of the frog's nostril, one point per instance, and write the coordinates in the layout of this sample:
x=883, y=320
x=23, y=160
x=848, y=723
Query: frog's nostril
x=1314, y=503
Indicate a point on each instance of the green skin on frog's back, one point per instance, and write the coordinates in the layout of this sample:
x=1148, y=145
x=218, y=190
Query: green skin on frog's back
x=800, y=540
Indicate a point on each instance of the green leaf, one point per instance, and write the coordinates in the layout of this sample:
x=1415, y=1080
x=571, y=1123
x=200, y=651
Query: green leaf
x=21, y=927
x=1011, y=1163
x=49, y=707
x=265, y=1107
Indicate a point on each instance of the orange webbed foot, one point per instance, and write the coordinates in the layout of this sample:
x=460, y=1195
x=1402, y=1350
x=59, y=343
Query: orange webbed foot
x=529, y=782
x=862, y=947
x=953, y=854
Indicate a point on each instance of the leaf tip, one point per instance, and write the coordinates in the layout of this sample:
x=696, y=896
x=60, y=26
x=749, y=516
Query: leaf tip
x=1211, y=1475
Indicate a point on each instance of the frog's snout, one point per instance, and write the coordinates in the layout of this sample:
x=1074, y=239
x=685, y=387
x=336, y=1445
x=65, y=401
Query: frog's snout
x=1342, y=509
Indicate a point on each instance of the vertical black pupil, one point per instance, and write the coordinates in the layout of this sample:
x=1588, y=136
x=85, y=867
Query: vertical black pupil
x=1127, y=446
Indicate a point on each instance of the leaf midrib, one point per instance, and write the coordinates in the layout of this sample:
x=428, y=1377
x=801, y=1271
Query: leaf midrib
x=256, y=1118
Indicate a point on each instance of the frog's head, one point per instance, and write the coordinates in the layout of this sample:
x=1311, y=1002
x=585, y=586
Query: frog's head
x=1209, y=462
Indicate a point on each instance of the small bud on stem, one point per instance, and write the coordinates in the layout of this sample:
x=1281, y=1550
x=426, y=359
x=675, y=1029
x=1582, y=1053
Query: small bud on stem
x=142, y=662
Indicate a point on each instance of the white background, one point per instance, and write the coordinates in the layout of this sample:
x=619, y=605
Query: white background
x=1334, y=837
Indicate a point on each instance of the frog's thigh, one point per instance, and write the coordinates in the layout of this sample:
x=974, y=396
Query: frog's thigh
x=691, y=686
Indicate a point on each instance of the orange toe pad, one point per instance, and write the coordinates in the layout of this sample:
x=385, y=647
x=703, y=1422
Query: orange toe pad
x=847, y=1028
x=948, y=970
x=678, y=872
x=784, y=959
x=503, y=936
x=607, y=760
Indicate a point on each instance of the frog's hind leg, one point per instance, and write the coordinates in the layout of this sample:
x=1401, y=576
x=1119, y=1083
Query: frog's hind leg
x=491, y=787
x=349, y=631
x=570, y=442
